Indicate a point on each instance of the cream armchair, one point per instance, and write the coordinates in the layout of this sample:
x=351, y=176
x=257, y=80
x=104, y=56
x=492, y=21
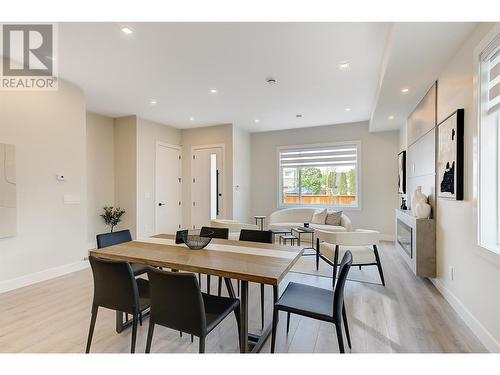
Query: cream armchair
x=362, y=244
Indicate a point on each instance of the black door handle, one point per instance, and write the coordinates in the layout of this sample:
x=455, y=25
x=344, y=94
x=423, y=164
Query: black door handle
x=161, y=204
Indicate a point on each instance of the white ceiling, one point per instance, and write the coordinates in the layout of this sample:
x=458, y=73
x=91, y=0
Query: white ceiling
x=178, y=63
x=414, y=56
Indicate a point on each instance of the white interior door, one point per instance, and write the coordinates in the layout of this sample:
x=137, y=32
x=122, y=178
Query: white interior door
x=168, y=189
x=207, y=192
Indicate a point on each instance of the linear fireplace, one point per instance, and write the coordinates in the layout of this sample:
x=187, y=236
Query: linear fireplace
x=404, y=237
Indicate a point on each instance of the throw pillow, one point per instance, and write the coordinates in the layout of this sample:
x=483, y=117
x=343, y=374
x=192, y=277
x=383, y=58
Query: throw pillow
x=319, y=216
x=333, y=218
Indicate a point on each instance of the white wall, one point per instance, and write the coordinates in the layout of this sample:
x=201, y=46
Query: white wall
x=125, y=163
x=48, y=129
x=242, y=170
x=379, y=153
x=100, y=173
x=148, y=133
x=474, y=290
x=220, y=134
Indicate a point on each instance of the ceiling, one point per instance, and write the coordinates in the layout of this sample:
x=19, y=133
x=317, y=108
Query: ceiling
x=177, y=64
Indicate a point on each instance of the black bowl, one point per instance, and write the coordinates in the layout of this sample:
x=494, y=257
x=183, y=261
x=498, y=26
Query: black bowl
x=196, y=240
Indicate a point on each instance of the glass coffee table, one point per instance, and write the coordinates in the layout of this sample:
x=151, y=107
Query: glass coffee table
x=305, y=231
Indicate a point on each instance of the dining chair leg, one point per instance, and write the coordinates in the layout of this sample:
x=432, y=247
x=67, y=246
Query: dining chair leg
x=202, y=345
x=379, y=264
x=208, y=284
x=262, y=290
x=199, y=279
x=134, y=333
x=150, y=336
x=275, y=325
x=219, y=291
x=346, y=326
x=91, y=328
x=237, y=314
x=192, y=339
x=338, y=328
x=287, y=322
x=238, y=287
x=140, y=318
x=180, y=333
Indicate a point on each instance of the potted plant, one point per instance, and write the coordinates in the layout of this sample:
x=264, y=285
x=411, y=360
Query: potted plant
x=112, y=216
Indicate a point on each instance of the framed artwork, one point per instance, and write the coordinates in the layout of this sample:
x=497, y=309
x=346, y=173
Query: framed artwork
x=450, y=163
x=402, y=172
x=8, y=220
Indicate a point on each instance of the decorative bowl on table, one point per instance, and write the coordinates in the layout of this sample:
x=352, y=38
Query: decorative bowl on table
x=196, y=239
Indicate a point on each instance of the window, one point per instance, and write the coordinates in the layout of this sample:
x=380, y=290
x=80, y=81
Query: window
x=489, y=147
x=322, y=175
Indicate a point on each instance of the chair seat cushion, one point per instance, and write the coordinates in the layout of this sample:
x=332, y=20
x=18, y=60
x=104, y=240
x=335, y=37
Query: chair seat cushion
x=360, y=254
x=138, y=269
x=144, y=293
x=217, y=308
x=307, y=300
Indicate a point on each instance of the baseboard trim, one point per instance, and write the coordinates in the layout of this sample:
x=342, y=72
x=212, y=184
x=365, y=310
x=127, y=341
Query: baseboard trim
x=40, y=276
x=470, y=320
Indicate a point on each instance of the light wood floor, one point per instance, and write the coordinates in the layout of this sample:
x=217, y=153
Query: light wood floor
x=408, y=315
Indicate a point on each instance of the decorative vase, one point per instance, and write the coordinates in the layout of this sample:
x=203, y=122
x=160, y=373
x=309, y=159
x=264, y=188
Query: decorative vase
x=417, y=197
x=422, y=210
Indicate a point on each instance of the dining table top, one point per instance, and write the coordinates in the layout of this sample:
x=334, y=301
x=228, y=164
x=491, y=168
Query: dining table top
x=233, y=259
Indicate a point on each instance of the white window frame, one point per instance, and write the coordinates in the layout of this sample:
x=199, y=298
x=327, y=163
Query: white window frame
x=484, y=48
x=359, y=189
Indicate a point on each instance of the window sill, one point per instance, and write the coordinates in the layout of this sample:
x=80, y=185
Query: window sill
x=319, y=206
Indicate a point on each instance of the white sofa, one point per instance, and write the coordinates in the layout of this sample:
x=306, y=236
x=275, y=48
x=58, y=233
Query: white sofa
x=296, y=217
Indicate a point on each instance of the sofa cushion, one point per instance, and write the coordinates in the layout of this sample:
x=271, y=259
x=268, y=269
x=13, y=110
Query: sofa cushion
x=360, y=254
x=319, y=216
x=333, y=217
x=329, y=228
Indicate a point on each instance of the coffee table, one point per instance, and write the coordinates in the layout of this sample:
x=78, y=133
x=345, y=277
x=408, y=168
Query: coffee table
x=261, y=218
x=279, y=232
x=303, y=230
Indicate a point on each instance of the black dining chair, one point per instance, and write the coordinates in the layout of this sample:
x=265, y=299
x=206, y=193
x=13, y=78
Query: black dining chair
x=178, y=303
x=263, y=236
x=115, y=238
x=316, y=303
x=116, y=288
x=222, y=233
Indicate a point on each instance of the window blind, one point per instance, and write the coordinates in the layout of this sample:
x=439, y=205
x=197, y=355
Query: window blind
x=493, y=66
x=319, y=156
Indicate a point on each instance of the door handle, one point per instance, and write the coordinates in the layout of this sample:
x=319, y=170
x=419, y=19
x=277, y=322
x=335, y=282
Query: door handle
x=161, y=204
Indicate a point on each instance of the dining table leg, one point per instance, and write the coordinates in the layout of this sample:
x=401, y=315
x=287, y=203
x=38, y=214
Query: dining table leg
x=244, y=316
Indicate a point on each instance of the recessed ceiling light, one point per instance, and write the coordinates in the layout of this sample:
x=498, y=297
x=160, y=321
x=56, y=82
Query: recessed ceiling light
x=298, y=115
x=191, y=118
x=405, y=90
x=213, y=91
x=348, y=109
x=344, y=66
x=257, y=120
x=271, y=81
x=127, y=30
x=153, y=102
x=391, y=117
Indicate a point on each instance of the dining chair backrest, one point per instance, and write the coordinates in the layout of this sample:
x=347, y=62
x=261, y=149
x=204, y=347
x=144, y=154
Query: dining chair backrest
x=113, y=238
x=222, y=233
x=338, y=296
x=264, y=236
x=177, y=302
x=114, y=285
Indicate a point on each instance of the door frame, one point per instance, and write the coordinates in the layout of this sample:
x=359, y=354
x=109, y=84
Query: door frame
x=175, y=147
x=204, y=147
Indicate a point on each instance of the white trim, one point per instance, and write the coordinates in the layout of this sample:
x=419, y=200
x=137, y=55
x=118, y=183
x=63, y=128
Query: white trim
x=40, y=276
x=359, y=162
x=224, y=193
x=178, y=148
x=484, y=45
x=475, y=325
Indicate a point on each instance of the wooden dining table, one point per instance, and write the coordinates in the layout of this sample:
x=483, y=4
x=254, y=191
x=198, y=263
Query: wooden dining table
x=231, y=259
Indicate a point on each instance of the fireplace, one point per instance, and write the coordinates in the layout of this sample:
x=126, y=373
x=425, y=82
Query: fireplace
x=404, y=237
